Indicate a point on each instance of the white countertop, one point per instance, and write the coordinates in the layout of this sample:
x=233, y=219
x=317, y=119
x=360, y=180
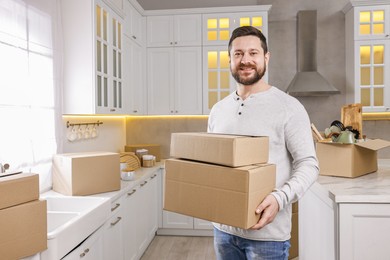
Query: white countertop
x=369, y=188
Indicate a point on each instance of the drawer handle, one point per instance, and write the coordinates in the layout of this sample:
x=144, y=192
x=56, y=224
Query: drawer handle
x=116, y=221
x=134, y=37
x=86, y=250
x=131, y=193
x=154, y=176
x=143, y=184
x=116, y=206
x=82, y=254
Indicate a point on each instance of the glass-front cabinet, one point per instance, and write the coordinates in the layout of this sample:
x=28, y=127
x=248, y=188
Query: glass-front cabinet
x=217, y=29
x=93, y=81
x=368, y=56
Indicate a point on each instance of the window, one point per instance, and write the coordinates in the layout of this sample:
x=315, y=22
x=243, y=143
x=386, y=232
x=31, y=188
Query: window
x=27, y=87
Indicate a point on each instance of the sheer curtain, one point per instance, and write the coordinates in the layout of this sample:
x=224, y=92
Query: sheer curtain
x=30, y=85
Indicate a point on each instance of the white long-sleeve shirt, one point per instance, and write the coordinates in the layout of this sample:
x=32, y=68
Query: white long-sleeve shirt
x=285, y=121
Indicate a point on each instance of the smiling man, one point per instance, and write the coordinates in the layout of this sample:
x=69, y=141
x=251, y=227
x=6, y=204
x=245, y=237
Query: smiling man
x=259, y=109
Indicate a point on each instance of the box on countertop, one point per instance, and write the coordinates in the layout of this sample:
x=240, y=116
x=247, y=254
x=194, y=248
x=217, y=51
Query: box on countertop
x=23, y=230
x=223, y=149
x=86, y=173
x=153, y=149
x=349, y=160
x=18, y=188
x=217, y=193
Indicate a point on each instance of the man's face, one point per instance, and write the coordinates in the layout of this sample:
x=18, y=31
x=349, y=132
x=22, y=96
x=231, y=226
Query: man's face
x=247, y=60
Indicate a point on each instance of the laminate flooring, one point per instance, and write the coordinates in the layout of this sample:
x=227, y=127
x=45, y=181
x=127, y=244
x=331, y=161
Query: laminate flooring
x=181, y=248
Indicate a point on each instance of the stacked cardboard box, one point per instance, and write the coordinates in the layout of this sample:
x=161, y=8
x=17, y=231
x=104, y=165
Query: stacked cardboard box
x=23, y=217
x=220, y=178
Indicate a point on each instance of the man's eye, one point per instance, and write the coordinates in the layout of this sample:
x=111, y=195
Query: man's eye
x=253, y=53
x=237, y=54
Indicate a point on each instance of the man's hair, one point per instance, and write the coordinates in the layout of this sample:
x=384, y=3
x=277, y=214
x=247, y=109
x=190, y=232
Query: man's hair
x=245, y=31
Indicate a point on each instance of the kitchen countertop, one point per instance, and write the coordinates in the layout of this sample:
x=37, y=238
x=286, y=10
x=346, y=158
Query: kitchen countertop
x=369, y=188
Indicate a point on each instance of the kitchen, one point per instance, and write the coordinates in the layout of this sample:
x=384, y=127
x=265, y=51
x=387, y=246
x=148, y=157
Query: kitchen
x=119, y=130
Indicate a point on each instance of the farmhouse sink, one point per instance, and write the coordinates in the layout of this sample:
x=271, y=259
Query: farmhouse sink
x=71, y=219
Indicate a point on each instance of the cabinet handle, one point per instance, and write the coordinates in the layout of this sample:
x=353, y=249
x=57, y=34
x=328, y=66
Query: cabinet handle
x=175, y=42
x=143, y=184
x=171, y=111
x=171, y=43
x=112, y=110
x=131, y=193
x=82, y=254
x=134, y=37
x=153, y=176
x=86, y=250
x=135, y=111
x=116, y=206
x=116, y=221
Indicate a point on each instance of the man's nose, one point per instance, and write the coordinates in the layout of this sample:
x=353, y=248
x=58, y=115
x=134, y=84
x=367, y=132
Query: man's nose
x=246, y=58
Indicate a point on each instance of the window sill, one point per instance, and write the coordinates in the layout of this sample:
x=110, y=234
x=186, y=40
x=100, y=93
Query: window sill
x=376, y=116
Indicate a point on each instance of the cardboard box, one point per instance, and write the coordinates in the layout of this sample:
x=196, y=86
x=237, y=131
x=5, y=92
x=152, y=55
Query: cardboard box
x=216, y=193
x=229, y=150
x=19, y=188
x=153, y=149
x=23, y=230
x=86, y=173
x=349, y=160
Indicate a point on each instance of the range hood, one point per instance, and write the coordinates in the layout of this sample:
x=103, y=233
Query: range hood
x=308, y=81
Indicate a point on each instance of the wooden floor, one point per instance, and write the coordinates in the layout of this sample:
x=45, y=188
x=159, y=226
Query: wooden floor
x=181, y=248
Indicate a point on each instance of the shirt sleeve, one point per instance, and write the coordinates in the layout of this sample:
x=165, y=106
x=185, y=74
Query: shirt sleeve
x=305, y=169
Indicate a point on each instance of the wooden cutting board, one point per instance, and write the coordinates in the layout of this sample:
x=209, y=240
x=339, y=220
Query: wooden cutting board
x=351, y=115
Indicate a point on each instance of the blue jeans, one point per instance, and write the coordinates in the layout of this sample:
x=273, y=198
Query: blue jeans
x=230, y=247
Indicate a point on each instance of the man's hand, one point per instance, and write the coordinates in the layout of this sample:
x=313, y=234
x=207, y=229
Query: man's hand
x=267, y=210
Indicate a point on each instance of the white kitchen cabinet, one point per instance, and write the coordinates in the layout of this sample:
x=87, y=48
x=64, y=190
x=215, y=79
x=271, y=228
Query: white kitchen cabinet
x=92, y=62
x=218, y=27
x=90, y=249
x=364, y=231
x=134, y=66
x=113, y=228
x=367, y=29
x=174, y=30
x=129, y=235
x=134, y=23
x=174, y=81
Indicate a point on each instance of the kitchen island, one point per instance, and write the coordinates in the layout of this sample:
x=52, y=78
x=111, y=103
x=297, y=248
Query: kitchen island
x=342, y=218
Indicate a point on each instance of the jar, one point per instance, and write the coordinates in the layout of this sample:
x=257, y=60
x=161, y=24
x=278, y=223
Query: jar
x=148, y=160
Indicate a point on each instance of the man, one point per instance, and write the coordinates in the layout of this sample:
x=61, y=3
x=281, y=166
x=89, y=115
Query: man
x=258, y=109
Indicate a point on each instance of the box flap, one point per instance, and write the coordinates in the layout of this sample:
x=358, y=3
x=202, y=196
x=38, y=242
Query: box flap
x=375, y=144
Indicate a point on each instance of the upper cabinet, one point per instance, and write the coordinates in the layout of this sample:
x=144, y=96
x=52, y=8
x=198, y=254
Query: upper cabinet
x=217, y=27
x=174, y=30
x=92, y=64
x=368, y=55
x=134, y=23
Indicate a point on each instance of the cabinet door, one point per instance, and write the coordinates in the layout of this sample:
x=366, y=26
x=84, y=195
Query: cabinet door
x=217, y=80
x=372, y=22
x=372, y=86
x=90, y=249
x=188, y=30
x=160, y=81
x=134, y=23
x=175, y=220
x=113, y=228
x=159, y=31
x=364, y=231
x=134, y=95
x=188, y=81
x=130, y=225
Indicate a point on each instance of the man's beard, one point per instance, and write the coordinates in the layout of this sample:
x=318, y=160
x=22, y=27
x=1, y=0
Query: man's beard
x=251, y=80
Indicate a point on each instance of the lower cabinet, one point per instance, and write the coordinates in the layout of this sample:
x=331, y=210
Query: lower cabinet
x=113, y=228
x=90, y=249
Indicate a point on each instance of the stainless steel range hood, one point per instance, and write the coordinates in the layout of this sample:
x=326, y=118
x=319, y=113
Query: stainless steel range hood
x=308, y=81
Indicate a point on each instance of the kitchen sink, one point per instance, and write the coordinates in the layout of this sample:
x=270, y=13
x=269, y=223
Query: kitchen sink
x=71, y=219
